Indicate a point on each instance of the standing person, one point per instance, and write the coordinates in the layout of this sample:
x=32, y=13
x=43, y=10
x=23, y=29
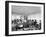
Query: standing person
x=40, y=25
x=25, y=22
x=35, y=22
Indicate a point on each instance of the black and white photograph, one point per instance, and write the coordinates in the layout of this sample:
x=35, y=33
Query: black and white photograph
x=26, y=18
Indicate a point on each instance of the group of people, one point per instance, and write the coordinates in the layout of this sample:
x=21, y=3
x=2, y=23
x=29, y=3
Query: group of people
x=25, y=23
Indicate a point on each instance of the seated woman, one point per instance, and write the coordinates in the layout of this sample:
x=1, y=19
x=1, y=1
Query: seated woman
x=19, y=26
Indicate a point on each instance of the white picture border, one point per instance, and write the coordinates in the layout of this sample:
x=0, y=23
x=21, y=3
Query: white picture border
x=24, y=32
